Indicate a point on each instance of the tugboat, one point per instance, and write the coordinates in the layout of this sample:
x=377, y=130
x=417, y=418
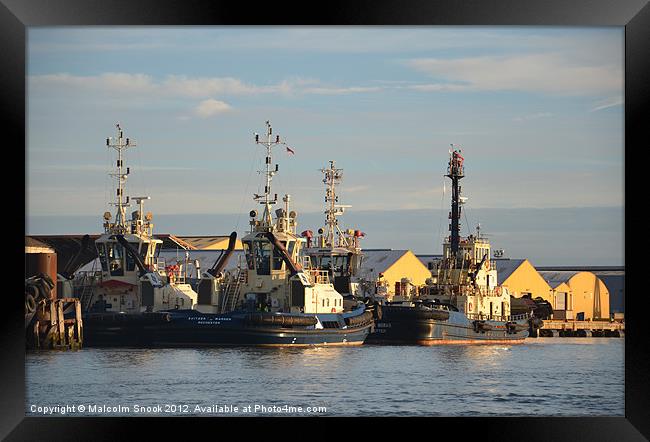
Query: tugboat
x=132, y=285
x=269, y=300
x=335, y=250
x=462, y=303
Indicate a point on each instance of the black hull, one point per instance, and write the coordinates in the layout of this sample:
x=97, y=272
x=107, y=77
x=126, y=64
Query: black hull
x=201, y=330
x=457, y=329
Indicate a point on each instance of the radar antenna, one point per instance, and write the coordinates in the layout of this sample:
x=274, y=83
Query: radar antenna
x=266, y=199
x=120, y=144
x=333, y=176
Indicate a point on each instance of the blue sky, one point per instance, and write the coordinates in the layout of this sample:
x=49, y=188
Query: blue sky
x=538, y=112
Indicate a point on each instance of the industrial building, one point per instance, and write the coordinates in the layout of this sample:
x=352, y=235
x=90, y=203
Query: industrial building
x=612, y=276
x=522, y=279
x=391, y=267
x=573, y=293
x=577, y=295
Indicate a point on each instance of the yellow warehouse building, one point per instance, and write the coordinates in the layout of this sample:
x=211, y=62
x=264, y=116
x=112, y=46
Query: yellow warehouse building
x=391, y=266
x=578, y=295
x=521, y=278
x=573, y=294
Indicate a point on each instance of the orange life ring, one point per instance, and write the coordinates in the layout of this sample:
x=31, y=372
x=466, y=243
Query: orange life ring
x=333, y=310
x=499, y=290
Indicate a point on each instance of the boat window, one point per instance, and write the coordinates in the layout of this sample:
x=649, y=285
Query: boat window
x=290, y=246
x=263, y=257
x=248, y=252
x=314, y=260
x=115, y=259
x=328, y=302
x=130, y=261
x=325, y=262
x=341, y=263
x=101, y=251
x=277, y=257
x=143, y=251
x=323, y=303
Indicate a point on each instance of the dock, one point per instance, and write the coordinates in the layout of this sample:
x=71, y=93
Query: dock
x=52, y=320
x=569, y=328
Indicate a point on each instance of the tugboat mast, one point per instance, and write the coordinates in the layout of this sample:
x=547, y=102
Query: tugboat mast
x=455, y=172
x=120, y=144
x=266, y=198
x=333, y=176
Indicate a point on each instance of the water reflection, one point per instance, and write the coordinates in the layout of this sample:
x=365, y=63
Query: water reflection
x=124, y=357
x=457, y=380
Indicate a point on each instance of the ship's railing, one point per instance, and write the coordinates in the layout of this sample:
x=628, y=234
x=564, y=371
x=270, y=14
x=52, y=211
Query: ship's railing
x=84, y=280
x=174, y=272
x=86, y=277
x=484, y=317
x=318, y=276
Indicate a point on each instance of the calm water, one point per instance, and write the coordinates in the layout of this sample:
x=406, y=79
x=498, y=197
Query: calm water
x=544, y=376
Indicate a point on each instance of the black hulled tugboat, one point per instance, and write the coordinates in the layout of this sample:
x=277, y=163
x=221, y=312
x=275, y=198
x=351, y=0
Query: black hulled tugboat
x=132, y=288
x=462, y=303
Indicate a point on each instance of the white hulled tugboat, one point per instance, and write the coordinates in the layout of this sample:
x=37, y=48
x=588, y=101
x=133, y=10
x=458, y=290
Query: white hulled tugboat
x=270, y=299
x=462, y=303
x=131, y=288
x=335, y=250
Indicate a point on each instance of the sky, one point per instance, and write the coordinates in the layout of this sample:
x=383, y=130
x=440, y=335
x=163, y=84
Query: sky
x=537, y=112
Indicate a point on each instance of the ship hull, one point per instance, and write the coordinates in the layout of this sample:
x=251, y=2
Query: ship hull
x=193, y=329
x=456, y=329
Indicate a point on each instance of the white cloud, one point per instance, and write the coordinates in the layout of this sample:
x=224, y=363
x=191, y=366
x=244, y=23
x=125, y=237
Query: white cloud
x=533, y=116
x=110, y=82
x=610, y=102
x=437, y=87
x=339, y=90
x=211, y=107
x=545, y=73
x=181, y=86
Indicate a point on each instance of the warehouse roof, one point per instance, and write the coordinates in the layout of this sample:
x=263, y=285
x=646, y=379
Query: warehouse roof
x=35, y=246
x=592, y=269
x=212, y=242
x=609, y=273
x=426, y=259
x=174, y=242
x=505, y=267
x=556, y=278
x=377, y=261
x=66, y=248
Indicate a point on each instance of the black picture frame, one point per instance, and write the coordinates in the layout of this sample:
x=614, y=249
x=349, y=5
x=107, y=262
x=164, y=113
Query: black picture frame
x=634, y=15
